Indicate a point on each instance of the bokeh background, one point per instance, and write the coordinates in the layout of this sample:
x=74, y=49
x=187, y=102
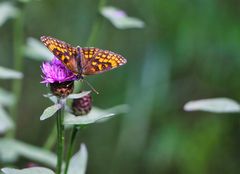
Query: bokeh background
x=187, y=50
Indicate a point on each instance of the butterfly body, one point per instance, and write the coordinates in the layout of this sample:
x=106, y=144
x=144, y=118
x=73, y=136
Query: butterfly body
x=83, y=60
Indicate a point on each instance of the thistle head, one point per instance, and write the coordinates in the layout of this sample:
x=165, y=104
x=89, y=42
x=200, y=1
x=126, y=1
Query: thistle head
x=60, y=79
x=55, y=72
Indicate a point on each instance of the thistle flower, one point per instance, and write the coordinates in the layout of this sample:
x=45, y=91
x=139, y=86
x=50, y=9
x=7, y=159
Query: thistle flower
x=59, y=77
x=82, y=106
x=55, y=72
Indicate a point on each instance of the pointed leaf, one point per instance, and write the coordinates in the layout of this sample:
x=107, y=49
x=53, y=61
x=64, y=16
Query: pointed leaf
x=6, y=122
x=36, y=153
x=36, y=50
x=51, y=97
x=25, y=1
x=78, y=162
x=216, y=105
x=32, y=170
x=7, y=10
x=6, y=73
x=79, y=95
x=95, y=115
x=8, y=152
x=120, y=19
x=6, y=98
x=11, y=149
x=50, y=111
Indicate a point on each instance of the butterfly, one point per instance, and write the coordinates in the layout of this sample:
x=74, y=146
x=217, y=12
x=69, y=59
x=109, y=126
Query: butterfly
x=83, y=60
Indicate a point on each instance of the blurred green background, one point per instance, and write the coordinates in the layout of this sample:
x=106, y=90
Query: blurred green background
x=187, y=50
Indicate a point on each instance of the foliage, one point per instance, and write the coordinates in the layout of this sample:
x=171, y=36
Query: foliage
x=120, y=19
x=187, y=50
x=78, y=162
x=95, y=115
x=9, y=74
x=34, y=170
x=217, y=105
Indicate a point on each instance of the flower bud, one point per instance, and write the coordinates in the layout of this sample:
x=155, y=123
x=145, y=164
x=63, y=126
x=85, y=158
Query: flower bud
x=82, y=106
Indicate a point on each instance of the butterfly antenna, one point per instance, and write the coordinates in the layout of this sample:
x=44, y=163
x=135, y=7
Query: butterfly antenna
x=91, y=86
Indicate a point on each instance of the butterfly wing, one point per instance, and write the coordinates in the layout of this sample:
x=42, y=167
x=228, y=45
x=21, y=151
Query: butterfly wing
x=63, y=51
x=95, y=60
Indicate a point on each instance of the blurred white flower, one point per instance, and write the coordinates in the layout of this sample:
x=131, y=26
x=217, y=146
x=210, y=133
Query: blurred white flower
x=120, y=19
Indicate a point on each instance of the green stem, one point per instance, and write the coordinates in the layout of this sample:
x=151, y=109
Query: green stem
x=60, y=137
x=101, y=4
x=51, y=139
x=94, y=33
x=71, y=146
x=96, y=27
x=18, y=64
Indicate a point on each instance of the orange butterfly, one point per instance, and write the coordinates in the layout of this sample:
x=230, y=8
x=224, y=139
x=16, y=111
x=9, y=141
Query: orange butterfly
x=83, y=61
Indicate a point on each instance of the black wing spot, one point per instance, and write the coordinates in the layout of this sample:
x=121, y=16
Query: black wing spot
x=65, y=60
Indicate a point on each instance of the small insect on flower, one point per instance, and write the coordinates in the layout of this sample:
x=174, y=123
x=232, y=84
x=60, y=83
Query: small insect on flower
x=83, y=61
x=59, y=77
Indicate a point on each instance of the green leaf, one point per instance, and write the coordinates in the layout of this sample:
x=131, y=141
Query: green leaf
x=11, y=149
x=51, y=97
x=95, y=115
x=6, y=98
x=25, y=1
x=216, y=105
x=36, y=50
x=37, y=154
x=78, y=163
x=6, y=122
x=32, y=170
x=6, y=73
x=7, y=10
x=79, y=95
x=50, y=111
x=120, y=19
x=8, y=152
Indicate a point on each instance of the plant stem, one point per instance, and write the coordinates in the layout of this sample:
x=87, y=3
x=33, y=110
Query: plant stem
x=94, y=33
x=71, y=146
x=96, y=27
x=18, y=63
x=51, y=139
x=101, y=4
x=60, y=136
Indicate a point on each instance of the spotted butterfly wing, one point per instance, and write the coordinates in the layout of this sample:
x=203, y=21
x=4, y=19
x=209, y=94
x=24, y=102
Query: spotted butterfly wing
x=96, y=61
x=63, y=51
x=92, y=60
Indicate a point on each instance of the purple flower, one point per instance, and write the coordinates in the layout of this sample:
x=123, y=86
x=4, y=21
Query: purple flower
x=55, y=72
